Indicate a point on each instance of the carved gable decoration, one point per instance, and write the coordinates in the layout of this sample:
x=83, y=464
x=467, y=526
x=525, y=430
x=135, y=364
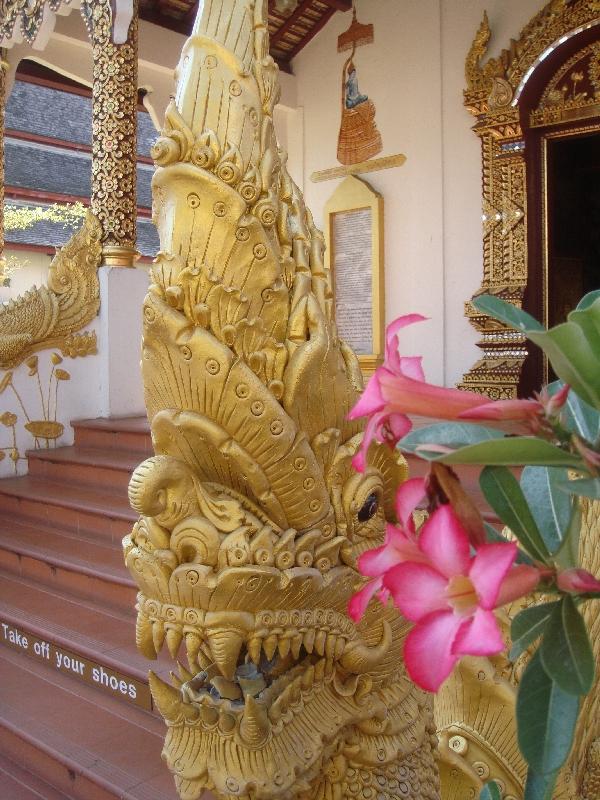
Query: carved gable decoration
x=492, y=95
x=574, y=91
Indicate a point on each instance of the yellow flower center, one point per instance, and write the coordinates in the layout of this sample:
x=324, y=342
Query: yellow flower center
x=461, y=594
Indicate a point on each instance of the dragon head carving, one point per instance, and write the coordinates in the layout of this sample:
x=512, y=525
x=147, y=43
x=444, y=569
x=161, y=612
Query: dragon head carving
x=251, y=517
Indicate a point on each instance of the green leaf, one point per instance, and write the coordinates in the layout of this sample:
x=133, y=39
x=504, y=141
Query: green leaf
x=502, y=491
x=546, y=717
x=550, y=505
x=510, y=451
x=528, y=626
x=568, y=555
x=571, y=347
x=580, y=417
x=508, y=313
x=587, y=300
x=540, y=787
x=491, y=791
x=566, y=651
x=573, y=355
x=449, y=434
x=492, y=535
x=587, y=487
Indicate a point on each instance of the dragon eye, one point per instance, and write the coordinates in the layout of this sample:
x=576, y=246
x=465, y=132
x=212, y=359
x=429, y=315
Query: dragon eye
x=369, y=508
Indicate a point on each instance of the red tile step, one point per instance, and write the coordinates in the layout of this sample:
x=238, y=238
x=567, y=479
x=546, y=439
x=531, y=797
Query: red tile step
x=66, y=561
x=93, y=511
x=88, y=466
x=17, y=783
x=82, y=743
x=117, y=433
x=96, y=633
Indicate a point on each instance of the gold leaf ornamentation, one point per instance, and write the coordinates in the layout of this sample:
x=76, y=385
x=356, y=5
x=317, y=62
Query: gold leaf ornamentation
x=49, y=316
x=251, y=517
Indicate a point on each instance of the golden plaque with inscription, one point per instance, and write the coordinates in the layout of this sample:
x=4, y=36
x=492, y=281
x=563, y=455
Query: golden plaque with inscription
x=354, y=254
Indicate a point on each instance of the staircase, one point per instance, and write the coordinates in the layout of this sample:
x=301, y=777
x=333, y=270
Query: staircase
x=76, y=718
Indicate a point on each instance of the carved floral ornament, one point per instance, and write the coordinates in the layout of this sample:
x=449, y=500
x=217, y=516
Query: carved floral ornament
x=29, y=19
x=492, y=95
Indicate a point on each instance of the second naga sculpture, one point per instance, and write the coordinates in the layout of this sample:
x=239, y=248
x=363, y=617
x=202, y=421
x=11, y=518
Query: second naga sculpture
x=251, y=516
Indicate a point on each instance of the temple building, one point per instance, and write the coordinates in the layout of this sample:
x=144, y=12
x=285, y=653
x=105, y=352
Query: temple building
x=160, y=178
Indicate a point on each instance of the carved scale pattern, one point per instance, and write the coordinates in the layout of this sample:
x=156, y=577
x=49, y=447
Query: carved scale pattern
x=251, y=517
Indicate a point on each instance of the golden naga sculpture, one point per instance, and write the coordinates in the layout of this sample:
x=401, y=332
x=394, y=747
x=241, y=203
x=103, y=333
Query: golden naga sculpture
x=251, y=516
x=51, y=315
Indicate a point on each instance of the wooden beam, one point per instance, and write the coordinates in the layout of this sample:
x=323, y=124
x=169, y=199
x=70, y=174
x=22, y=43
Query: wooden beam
x=339, y=5
x=320, y=24
x=290, y=21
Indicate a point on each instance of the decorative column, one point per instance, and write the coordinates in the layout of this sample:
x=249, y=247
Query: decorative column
x=3, y=70
x=114, y=136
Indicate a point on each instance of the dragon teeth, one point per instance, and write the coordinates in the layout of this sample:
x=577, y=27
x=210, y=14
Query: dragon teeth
x=158, y=634
x=143, y=636
x=283, y=647
x=309, y=640
x=320, y=640
x=308, y=678
x=320, y=670
x=225, y=645
x=330, y=643
x=340, y=646
x=192, y=646
x=270, y=646
x=204, y=658
x=254, y=726
x=173, y=638
x=296, y=645
x=254, y=648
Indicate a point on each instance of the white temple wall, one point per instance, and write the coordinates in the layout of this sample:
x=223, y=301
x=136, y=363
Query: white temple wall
x=414, y=73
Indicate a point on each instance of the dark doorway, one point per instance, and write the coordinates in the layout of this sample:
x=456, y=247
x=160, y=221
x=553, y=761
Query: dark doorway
x=563, y=233
x=573, y=204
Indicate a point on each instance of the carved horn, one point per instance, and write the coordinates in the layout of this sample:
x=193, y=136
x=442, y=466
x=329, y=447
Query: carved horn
x=359, y=657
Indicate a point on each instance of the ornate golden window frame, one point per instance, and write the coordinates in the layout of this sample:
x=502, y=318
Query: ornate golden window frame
x=492, y=95
x=354, y=194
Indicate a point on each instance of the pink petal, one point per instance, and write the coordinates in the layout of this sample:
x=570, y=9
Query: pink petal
x=359, y=460
x=445, y=542
x=552, y=405
x=411, y=366
x=397, y=548
x=408, y=396
x=504, y=409
x=370, y=400
x=417, y=589
x=383, y=596
x=520, y=580
x=489, y=568
x=577, y=581
x=360, y=600
x=409, y=495
x=391, y=338
x=428, y=650
x=398, y=426
x=479, y=636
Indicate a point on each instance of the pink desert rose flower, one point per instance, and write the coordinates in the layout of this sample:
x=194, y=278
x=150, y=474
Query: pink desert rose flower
x=450, y=595
x=530, y=412
x=398, y=388
x=400, y=545
x=577, y=581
